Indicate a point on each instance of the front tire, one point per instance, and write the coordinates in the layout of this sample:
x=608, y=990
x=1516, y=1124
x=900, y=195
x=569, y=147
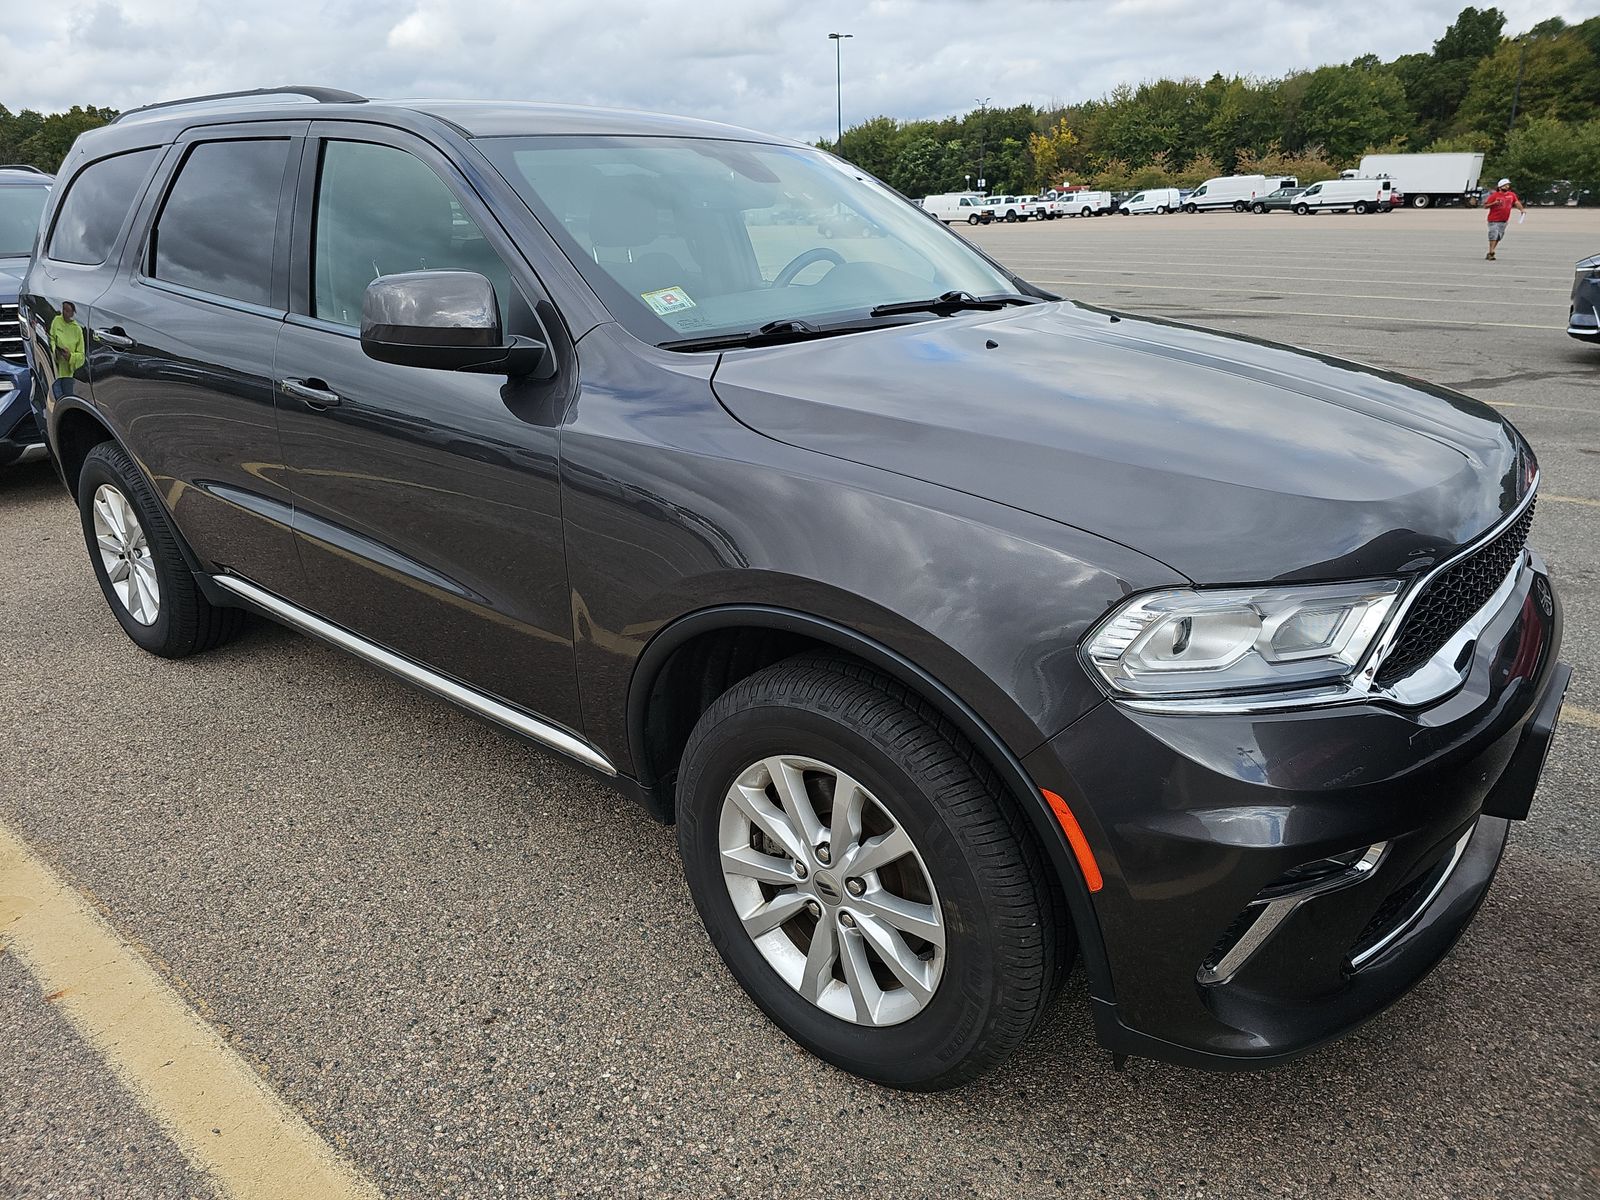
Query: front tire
x=864, y=877
x=1191, y=209
x=1301, y=210
x=142, y=573
x=972, y=218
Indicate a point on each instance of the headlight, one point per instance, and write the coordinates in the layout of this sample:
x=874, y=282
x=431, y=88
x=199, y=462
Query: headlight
x=1190, y=643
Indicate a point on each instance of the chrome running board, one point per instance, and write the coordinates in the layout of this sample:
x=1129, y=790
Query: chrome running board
x=468, y=698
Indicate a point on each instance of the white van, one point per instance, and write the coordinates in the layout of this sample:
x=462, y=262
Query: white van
x=1234, y=191
x=955, y=206
x=1152, y=200
x=1346, y=195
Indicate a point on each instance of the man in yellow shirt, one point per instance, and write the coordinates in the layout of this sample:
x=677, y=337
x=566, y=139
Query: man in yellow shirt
x=66, y=341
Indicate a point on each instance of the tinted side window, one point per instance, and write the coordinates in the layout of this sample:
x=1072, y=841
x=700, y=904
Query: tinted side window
x=97, y=200
x=216, y=230
x=381, y=211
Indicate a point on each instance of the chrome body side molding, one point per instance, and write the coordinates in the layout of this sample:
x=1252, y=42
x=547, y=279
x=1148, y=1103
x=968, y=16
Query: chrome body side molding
x=498, y=711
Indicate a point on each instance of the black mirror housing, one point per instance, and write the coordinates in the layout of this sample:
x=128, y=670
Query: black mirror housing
x=443, y=321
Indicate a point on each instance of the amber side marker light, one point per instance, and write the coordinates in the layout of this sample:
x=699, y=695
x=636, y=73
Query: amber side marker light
x=1075, y=838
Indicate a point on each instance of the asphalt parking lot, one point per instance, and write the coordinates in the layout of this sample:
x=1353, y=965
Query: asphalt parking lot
x=474, y=972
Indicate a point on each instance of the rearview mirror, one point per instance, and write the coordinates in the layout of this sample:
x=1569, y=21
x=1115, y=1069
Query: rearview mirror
x=443, y=320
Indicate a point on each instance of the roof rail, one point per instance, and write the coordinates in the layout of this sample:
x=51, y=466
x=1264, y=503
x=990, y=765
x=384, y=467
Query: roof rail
x=23, y=167
x=321, y=95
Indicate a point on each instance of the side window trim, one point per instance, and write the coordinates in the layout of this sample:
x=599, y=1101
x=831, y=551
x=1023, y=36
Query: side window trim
x=431, y=156
x=294, y=134
x=156, y=202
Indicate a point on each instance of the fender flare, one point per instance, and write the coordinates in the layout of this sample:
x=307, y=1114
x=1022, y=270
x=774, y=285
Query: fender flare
x=996, y=753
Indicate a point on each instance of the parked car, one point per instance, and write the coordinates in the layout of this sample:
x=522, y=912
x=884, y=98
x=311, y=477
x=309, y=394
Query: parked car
x=842, y=223
x=1583, y=322
x=1152, y=200
x=1345, y=195
x=1281, y=200
x=942, y=690
x=23, y=192
x=1237, y=192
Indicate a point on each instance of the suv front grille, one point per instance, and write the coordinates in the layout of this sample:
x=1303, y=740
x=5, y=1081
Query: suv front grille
x=11, y=336
x=1452, y=597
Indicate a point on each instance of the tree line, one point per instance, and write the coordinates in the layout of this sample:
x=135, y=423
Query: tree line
x=1309, y=124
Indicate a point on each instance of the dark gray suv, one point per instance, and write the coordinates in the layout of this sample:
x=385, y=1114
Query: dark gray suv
x=965, y=632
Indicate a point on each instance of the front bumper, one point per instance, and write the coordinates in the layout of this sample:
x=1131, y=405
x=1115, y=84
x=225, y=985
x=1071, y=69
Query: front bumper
x=1584, y=321
x=21, y=439
x=1199, y=822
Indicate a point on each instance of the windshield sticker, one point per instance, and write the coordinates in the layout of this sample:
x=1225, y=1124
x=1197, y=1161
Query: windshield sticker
x=667, y=300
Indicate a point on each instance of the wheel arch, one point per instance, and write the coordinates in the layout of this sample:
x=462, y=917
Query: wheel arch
x=76, y=429
x=809, y=631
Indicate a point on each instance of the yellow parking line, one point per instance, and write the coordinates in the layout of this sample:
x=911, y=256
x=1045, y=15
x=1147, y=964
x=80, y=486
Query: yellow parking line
x=1573, y=500
x=224, y=1118
x=1580, y=716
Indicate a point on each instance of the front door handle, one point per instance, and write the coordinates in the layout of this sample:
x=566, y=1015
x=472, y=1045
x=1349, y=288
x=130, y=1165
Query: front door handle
x=313, y=392
x=115, y=336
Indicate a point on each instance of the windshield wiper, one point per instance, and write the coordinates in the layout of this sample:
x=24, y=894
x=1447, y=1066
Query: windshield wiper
x=952, y=302
x=787, y=330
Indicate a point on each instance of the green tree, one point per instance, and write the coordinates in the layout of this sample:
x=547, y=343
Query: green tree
x=1541, y=151
x=1349, y=108
x=47, y=145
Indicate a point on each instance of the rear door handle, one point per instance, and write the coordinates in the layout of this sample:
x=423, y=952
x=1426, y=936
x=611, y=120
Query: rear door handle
x=311, y=391
x=115, y=336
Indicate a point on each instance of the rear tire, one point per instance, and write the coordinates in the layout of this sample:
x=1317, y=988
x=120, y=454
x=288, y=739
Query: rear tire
x=968, y=864
x=1238, y=206
x=1361, y=208
x=1258, y=209
x=142, y=573
x=1421, y=201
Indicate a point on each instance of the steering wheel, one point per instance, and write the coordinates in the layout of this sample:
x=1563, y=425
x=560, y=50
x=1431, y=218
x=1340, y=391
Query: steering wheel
x=803, y=260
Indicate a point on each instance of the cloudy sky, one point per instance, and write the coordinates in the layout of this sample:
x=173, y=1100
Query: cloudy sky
x=761, y=63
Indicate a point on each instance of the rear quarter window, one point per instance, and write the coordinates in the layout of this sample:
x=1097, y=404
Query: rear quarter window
x=97, y=202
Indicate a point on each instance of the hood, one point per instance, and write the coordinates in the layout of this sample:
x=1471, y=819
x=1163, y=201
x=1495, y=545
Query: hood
x=11, y=273
x=1228, y=459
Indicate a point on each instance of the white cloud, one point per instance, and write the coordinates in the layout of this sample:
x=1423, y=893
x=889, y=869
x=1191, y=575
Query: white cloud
x=762, y=63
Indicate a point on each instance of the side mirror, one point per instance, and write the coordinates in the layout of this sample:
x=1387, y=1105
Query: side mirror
x=443, y=320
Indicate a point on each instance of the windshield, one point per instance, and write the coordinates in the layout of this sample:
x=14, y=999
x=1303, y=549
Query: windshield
x=694, y=238
x=19, y=219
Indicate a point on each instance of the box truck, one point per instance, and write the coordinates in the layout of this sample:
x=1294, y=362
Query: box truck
x=1427, y=179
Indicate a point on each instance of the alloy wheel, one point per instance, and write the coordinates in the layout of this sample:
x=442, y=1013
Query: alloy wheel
x=125, y=555
x=831, y=890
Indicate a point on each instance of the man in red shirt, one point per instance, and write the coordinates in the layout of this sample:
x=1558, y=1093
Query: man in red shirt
x=1500, y=202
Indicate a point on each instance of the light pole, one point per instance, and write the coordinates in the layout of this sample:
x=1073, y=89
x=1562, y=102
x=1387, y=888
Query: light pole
x=1516, y=92
x=838, y=85
x=983, y=107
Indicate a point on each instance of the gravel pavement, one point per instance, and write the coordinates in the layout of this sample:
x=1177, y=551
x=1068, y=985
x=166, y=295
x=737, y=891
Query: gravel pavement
x=478, y=973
